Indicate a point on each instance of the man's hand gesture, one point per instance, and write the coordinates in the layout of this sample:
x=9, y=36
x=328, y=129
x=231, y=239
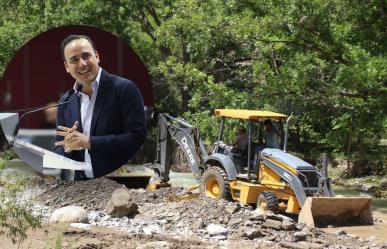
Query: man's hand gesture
x=73, y=139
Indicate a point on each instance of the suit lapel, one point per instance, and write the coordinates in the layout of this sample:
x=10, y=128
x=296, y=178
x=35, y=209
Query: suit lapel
x=100, y=101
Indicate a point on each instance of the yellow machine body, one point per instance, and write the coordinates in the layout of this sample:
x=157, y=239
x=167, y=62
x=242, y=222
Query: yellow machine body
x=316, y=211
x=247, y=193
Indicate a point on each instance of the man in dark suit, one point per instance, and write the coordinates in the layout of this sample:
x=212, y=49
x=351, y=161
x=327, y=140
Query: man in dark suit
x=105, y=124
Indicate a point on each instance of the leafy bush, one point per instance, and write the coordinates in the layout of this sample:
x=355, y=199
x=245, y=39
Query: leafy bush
x=15, y=217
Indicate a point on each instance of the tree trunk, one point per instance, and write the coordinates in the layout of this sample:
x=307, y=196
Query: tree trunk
x=349, y=159
x=184, y=99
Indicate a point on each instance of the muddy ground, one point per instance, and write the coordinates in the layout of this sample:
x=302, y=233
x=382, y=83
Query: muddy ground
x=163, y=223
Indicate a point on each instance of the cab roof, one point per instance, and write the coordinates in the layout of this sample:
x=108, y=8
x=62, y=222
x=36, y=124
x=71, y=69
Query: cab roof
x=249, y=114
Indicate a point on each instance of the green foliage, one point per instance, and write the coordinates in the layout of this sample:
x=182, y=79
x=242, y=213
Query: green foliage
x=322, y=61
x=5, y=156
x=15, y=218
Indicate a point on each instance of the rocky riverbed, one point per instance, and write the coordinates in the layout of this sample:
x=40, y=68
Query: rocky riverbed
x=161, y=222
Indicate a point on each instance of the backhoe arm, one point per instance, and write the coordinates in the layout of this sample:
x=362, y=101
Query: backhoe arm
x=186, y=137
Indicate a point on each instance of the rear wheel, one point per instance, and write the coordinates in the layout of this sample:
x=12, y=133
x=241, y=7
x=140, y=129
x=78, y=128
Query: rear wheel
x=268, y=201
x=215, y=183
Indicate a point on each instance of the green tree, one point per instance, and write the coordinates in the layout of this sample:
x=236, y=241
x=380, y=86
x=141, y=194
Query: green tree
x=322, y=61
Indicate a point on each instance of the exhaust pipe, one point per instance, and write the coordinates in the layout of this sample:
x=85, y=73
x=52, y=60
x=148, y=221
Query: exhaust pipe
x=286, y=132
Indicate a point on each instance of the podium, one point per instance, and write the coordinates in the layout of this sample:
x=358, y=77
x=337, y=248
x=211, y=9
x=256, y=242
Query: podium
x=36, y=157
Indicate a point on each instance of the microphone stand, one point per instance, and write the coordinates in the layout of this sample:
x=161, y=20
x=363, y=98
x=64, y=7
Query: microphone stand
x=17, y=127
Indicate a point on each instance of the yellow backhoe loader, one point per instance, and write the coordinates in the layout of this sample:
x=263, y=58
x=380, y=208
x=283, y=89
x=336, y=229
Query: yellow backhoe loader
x=270, y=178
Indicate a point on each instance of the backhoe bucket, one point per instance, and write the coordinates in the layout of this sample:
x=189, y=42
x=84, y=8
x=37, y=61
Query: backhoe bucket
x=336, y=211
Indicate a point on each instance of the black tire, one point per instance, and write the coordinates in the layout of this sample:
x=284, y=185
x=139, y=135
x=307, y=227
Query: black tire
x=268, y=201
x=215, y=183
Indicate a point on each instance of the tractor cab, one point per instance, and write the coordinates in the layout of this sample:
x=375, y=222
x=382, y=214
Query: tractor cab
x=257, y=123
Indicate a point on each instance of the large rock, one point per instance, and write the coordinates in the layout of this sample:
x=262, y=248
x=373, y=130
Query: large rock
x=276, y=224
x=288, y=224
x=273, y=216
x=235, y=221
x=121, y=204
x=300, y=236
x=258, y=215
x=252, y=233
x=69, y=214
x=214, y=230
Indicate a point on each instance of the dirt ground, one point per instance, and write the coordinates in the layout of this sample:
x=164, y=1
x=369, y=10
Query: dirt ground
x=63, y=236
x=59, y=236
x=162, y=223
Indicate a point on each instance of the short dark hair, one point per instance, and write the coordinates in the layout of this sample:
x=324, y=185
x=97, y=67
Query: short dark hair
x=242, y=129
x=267, y=122
x=70, y=38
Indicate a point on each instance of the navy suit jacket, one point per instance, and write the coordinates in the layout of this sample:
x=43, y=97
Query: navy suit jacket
x=117, y=128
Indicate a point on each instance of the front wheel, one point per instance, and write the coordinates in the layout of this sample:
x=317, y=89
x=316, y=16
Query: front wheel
x=268, y=201
x=215, y=183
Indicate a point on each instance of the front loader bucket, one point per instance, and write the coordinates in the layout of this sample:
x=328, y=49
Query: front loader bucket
x=336, y=211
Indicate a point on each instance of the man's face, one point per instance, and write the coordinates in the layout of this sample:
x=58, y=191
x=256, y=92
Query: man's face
x=81, y=61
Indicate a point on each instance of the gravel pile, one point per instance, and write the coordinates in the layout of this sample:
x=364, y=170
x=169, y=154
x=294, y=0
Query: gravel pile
x=203, y=218
x=91, y=195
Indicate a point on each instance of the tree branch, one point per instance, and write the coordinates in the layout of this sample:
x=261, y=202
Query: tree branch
x=153, y=13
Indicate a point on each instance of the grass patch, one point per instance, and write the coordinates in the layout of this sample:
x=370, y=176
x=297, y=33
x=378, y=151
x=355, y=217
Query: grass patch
x=55, y=239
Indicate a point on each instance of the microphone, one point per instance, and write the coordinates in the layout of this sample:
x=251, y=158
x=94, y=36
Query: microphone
x=72, y=92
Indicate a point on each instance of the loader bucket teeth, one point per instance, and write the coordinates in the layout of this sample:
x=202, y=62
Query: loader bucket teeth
x=336, y=211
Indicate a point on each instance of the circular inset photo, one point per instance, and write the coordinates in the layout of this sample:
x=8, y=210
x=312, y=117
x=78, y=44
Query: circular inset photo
x=75, y=102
